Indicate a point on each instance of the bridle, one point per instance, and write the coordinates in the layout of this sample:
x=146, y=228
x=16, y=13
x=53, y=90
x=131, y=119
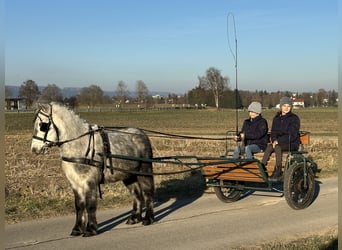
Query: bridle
x=45, y=127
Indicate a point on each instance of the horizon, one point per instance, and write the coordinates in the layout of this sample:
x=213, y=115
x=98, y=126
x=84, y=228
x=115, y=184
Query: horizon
x=286, y=46
x=167, y=92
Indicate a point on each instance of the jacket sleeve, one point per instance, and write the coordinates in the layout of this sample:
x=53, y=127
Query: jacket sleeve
x=244, y=126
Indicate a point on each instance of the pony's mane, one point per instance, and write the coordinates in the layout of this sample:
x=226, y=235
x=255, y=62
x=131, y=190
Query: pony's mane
x=73, y=121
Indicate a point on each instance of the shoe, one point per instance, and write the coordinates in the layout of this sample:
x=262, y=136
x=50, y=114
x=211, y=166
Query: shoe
x=276, y=175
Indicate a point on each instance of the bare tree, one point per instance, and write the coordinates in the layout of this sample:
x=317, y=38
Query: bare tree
x=121, y=91
x=322, y=97
x=214, y=82
x=142, y=92
x=51, y=93
x=71, y=101
x=30, y=91
x=333, y=97
x=91, y=95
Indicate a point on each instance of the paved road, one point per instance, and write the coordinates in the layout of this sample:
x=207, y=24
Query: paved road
x=202, y=223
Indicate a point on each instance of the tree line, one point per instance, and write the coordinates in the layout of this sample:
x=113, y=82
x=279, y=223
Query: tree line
x=212, y=90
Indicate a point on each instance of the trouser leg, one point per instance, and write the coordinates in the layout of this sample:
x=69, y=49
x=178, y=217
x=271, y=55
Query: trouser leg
x=268, y=152
x=250, y=150
x=236, y=154
x=277, y=173
x=279, y=155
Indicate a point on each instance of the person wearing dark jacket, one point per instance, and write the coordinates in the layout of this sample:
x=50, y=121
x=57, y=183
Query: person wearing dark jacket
x=253, y=133
x=284, y=136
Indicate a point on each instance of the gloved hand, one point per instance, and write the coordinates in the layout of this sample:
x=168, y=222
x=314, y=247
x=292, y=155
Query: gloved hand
x=239, y=137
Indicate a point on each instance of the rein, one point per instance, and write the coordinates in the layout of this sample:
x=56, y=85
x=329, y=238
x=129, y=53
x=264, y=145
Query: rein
x=107, y=156
x=60, y=143
x=168, y=135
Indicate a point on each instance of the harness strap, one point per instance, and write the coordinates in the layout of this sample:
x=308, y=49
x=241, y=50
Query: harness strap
x=106, y=151
x=85, y=161
x=105, y=155
x=91, y=137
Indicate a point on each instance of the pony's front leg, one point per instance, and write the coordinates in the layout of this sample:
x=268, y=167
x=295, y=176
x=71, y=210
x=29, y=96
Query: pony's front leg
x=79, y=227
x=85, y=206
x=91, y=206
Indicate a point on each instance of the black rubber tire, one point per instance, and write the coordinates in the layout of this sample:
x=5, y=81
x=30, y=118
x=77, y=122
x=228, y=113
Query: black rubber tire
x=296, y=194
x=227, y=195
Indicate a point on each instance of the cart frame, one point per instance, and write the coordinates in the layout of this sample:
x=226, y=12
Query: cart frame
x=231, y=178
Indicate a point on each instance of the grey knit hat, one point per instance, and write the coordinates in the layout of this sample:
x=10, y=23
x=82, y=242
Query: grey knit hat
x=255, y=107
x=285, y=100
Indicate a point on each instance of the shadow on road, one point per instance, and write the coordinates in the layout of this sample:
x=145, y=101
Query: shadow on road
x=182, y=191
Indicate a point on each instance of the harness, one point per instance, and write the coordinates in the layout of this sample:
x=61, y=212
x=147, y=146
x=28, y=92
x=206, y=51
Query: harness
x=106, y=156
x=88, y=158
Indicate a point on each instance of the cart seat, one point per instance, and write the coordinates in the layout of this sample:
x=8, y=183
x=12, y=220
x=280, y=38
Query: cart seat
x=304, y=141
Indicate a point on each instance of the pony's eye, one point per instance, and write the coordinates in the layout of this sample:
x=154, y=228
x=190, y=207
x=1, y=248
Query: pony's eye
x=44, y=126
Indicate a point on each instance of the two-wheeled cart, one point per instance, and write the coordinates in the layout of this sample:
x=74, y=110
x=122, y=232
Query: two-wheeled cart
x=232, y=178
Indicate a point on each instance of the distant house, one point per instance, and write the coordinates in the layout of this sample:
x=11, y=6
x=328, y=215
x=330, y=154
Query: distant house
x=298, y=103
x=15, y=103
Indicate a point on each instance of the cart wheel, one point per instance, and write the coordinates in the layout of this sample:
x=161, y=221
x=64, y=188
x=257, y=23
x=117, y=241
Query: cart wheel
x=227, y=194
x=299, y=193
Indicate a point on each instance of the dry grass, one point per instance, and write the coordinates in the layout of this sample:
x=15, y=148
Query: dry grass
x=326, y=240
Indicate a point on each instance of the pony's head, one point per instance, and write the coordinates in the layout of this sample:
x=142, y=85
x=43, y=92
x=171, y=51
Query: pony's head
x=45, y=131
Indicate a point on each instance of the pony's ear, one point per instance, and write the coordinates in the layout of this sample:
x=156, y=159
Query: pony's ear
x=44, y=107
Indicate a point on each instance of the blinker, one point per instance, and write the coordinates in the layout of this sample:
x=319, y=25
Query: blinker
x=44, y=126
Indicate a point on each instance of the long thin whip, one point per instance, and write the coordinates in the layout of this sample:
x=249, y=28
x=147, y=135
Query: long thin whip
x=235, y=61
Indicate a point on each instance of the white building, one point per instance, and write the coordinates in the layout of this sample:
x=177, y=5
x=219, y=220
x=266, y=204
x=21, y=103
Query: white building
x=298, y=103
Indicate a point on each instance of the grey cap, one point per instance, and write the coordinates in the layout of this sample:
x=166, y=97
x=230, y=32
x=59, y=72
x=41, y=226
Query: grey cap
x=285, y=100
x=255, y=107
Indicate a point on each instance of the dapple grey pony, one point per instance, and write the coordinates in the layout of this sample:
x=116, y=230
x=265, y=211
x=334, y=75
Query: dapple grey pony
x=86, y=160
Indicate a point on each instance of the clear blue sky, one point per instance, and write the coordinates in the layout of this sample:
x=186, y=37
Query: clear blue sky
x=282, y=45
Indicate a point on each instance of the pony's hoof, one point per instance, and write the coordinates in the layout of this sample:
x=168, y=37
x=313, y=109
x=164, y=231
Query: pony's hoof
x=89, y=234
x=75, y=233
x=134, y=219
x=147, y=222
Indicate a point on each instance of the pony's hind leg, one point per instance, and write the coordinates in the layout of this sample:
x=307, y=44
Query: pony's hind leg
x=147, y=187
x=135, y=191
